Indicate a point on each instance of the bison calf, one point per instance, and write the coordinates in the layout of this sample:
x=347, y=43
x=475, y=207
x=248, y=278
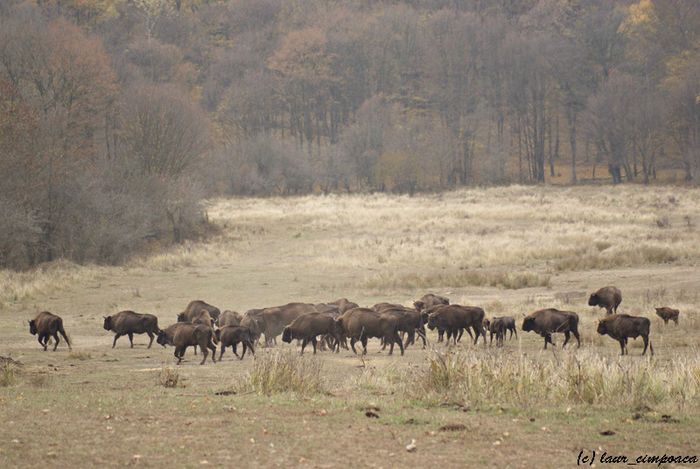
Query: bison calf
x=622, y=326
x=607, y=297
x=667, y=313
x=46, y=324
x=130, y=323
x=232, y=336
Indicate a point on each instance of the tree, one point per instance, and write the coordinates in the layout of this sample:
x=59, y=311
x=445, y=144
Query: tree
x=163, y=129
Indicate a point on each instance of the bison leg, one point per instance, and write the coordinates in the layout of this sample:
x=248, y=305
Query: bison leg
x=396, y=336
x=131, y=339
x=303, y=345
x=212, y=347
x=179, y=352
x=352, y=345
x=622, y=346
x=221, y=351
x=567, y=336
x=150, y=335
x=55, y=336
x=249, y=343
x=42, y=342
x=364, y=344
x=234, y=346
x=645, y=338
x=313, y=342
x=116, y=336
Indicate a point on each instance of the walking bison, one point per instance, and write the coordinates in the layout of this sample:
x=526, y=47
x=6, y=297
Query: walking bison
x=667, y=314
x=545, y=322
x=47, y=325
x=130, y=323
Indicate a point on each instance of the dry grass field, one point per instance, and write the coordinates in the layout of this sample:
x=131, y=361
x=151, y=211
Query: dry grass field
x=511, y=250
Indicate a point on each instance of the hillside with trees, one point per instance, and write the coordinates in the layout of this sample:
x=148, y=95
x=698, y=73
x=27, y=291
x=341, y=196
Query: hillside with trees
x=118, y=116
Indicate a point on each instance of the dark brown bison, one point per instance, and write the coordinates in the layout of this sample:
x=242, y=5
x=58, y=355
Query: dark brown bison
x=497, y=327
x=545, y=322
x=47, y=324
x=232, y=336
x=275, y=319
x=667, y=313
x=429, y=300
x=454, y=318
x=360, y=324
x=425, y=314
x=607, y=297
x=188, y=334
x=194, y=309
x=308, y=326
x=230, y=318
x=130, y=323
x=253, y=320
x=409, y=321
x=622, y=326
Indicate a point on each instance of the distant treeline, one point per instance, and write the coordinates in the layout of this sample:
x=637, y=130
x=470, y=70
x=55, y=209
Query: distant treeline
x=118, y=116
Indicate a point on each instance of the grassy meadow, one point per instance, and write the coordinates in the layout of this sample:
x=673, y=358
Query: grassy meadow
x=511, y=250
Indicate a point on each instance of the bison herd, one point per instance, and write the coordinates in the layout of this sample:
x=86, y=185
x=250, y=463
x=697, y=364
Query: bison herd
x=330, y=325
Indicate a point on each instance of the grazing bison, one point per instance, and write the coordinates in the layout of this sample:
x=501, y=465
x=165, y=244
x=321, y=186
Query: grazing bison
x=429, y=300
x=275, y=319
x=545, y=322
x=46, y=324
x=622, y=326
x=232, y=336
x=360, y=324
x=667, y=313
x=607, y=297
x=130, y=323
x=308, y=326
x=187, y=334
x=194, y=309
x=454, y=318
x=230, y=318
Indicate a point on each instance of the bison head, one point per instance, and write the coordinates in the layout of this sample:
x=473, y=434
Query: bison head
x=287, y=335
x=162, y=338
x=108, y=323
x=602, y=328
x=181, y=317
x=419, y=305
x=529, y=324
x=593, y=300
x=432, y=322
x=32, y=327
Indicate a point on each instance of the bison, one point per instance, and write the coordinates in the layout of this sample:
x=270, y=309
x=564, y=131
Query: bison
x=667, y=313
x=130, y=323
x=47, y=324
x=275, y=319
x=622, y=326
x=194, y=309
x=310, y=325
x=545, y=322
x=230, y=318
x=607, y=297
x=454, y=318
x=359, y=324
x=410, y=321
x=232, y=336
x=184, y=334
x=496, y=326
x=429, y=300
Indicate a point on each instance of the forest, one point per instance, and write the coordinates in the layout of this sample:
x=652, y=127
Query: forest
x=119, y=117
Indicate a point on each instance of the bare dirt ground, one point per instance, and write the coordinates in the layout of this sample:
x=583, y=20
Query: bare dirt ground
x=97, y=406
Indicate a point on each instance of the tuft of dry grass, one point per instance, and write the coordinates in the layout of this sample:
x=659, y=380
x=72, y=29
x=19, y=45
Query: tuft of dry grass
x=479, y=379
x=284, y=371
x=168, y=377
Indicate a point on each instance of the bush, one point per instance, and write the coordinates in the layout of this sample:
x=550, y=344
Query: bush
x=285, y=371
